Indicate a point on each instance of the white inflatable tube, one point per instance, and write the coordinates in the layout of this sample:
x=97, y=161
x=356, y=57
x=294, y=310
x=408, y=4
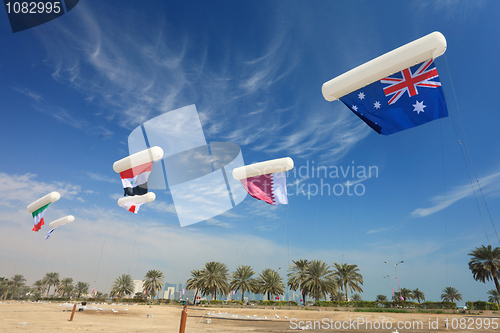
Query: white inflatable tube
x=49, y=198
x=263, y=168
x=144, y=156
x=428, y=47
x=137, y=199
x=62, y=221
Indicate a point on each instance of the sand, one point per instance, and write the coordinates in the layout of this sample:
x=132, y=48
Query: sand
x=54, y=317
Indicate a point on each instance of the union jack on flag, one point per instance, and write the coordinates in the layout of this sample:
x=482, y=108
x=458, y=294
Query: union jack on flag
x=410, y=81
x=409, y=98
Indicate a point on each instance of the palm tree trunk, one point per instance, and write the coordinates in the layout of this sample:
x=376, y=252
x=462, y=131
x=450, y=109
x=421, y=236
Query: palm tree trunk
x=303, y=297
x=495, y=278
x=242, y=294
x=195, y=296
x=345, y=288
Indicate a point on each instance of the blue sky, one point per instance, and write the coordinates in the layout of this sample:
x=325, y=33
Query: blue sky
x=73, y=89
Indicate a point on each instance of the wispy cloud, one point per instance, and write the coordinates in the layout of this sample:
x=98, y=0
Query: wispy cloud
x=101, y=178
x=321, y=133
x=136, y=76
x=26, y=189
x=489, y=184
x=28, y=92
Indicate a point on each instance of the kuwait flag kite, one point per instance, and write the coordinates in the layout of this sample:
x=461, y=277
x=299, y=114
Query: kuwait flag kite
x=266, y=180
x=37, y=208
x=38, y=217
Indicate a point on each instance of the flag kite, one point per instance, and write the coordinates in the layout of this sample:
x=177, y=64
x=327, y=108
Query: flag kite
x=49, y=233
x=135, y=180
x=133, y=203
x=266, y=180
x=37, y=208
x=396, y=91
x=134, y=171
x=406, y=99
x=57, y=223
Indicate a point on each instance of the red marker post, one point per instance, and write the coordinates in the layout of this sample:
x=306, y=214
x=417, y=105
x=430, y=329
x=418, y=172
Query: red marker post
x=72, y=313
x=183, y=319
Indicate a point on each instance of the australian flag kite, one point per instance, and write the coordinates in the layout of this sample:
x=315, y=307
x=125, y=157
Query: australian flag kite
x=403, y=100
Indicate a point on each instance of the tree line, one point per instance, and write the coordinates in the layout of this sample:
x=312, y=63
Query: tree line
x=313, y=278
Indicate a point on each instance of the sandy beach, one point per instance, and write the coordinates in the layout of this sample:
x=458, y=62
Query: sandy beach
x=51, y=317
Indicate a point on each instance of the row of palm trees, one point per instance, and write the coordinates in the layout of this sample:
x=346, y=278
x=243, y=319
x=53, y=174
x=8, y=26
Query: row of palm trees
x=405, y=294
x=124, y=285
x=313, y=278
x=16, y=287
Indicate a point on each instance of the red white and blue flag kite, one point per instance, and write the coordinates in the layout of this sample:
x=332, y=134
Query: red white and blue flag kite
x=397, y=90
x=409, y=98
x=134, y=171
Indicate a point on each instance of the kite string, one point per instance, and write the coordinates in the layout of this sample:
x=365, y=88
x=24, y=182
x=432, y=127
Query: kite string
x=445, y=206
x=341, y=158
x=457, y=133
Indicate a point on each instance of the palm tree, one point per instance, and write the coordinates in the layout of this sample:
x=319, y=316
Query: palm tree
x=494, y=296
x=123, y=285
x=270, y=282
x=337, y=296
x=194, y=283
x=17, y=282
x=407, y=294
x=242, y=280
x=450, y=294
x=51, y=279
x=153, y=281
x=348, y=277
x=38, y=288
x=381, y=298
x=65, y=286
x=485, y=264
x=82, y=288
x=418, y=295
x=319, y=281
x=3, y=285
x=8, y=286
x=296, y=276
x=214, y=279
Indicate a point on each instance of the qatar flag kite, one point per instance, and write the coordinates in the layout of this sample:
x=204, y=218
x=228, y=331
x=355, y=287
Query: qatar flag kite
x=134, y=171
x=266, y=180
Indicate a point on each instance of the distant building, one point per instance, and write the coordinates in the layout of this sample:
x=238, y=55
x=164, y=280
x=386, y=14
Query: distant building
x=168, y=293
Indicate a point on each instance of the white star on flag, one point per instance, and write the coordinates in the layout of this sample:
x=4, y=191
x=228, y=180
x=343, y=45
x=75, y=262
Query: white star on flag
x=355, y=108
x=376, y=105
x=361, y=95
x=419, y=107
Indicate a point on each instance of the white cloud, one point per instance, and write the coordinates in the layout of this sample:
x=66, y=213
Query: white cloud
x=25, y=189
x=489, y=184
